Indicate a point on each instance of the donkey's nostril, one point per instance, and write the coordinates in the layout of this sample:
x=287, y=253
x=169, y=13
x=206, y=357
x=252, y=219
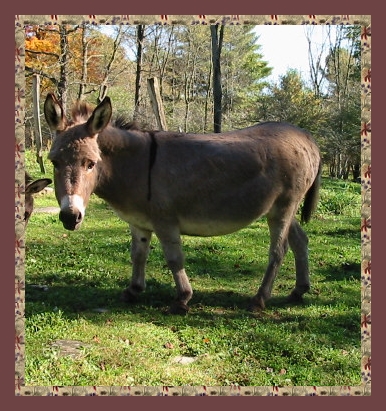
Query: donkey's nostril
x=70, y=220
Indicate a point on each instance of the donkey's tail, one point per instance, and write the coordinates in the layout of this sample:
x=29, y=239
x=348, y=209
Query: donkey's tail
x=311, y=198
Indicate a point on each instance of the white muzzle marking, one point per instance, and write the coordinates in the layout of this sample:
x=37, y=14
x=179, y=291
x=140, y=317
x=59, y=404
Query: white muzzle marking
x=73, y=202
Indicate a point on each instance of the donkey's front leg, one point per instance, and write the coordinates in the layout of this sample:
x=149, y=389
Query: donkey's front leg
x=140, y=247
x=171, y=245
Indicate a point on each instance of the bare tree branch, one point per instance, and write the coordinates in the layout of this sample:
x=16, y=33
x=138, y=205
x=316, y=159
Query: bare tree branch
x=31, y=71
x=46, y=53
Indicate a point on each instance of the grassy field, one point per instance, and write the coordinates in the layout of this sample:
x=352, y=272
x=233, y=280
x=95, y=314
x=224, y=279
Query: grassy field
x=79, y=332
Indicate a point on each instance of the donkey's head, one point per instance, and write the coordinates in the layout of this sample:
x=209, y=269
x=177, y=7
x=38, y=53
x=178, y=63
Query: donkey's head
x=32, y=187
x=75, y=154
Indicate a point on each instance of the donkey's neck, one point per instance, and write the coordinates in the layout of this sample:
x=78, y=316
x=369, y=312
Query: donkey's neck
x=125, y=153
x=114, y=140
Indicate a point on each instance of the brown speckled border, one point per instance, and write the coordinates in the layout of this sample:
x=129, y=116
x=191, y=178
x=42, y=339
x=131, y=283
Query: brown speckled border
x=365, y=388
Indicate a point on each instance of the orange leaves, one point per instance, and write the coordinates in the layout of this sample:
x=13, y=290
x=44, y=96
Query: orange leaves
x=169, y=345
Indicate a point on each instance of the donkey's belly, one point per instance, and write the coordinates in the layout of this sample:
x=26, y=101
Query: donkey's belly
x=224, y=216
x=139, y=220
x=188, y=226
x=210, y=228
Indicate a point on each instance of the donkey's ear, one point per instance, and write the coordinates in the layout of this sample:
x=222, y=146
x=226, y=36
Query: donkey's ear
x=37, y=185
x=100, y=117
x=54, y=114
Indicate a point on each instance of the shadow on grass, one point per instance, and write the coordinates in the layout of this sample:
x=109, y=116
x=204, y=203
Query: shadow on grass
x=73, y=299
x=97, y=301
x=215, y=264
x=207, y=310
x=219, y=264
x=346, y=271
x=346, y=233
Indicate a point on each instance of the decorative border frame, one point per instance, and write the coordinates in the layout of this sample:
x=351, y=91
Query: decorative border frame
x=365, y=133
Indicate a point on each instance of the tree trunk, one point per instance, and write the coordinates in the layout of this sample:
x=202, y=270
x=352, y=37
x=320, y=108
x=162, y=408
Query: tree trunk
x=217, y=92
x=138, y=76
x=207, y=94
x=356, y=172
x=83, y=80
x=63, y=64
x=104, y=84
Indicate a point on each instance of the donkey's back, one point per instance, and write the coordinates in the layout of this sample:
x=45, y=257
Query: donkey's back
x=218, y=183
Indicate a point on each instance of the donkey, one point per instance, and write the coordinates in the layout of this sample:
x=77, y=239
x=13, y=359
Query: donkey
x=32, y=187
x=177, y=184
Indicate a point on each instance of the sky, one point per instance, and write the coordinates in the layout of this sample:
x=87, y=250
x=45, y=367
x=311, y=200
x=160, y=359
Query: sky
x=285, y=47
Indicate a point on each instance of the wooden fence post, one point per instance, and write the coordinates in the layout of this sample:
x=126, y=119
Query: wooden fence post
x=156, y=102
x=37, y=128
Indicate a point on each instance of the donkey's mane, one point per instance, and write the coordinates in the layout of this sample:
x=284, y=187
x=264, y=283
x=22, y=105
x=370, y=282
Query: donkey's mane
x=81, y=112
x=124, y=123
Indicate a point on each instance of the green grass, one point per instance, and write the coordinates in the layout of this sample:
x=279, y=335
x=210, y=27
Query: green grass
x=316, y=343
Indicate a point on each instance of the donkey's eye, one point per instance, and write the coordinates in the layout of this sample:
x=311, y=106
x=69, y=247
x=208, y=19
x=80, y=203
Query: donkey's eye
x=90, y=165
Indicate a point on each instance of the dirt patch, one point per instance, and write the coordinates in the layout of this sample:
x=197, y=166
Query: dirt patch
x=48, y=210
x=69, y=348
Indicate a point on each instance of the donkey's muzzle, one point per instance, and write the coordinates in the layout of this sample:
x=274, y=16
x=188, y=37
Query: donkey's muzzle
x=71, y=220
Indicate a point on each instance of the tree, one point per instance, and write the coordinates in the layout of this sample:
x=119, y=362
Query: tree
x=291, y=101
x=330, y=107
x=120, y=59
x=217, y=40
x=138, y=73
x=47, y=54
x=243, y=75
x=72, y=61
x=180, y=57
x=343, y=75
x=41, y=48
x=316, y=62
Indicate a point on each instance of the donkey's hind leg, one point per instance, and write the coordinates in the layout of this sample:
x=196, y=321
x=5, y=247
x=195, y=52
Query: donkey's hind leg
x=278, y=227
x=298, y=242
x=140, y=247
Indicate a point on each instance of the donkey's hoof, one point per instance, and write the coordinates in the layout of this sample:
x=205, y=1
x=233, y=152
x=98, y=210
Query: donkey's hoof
x=256, y=304
x=294, y=298
x=178, y=308
x=128, y=296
